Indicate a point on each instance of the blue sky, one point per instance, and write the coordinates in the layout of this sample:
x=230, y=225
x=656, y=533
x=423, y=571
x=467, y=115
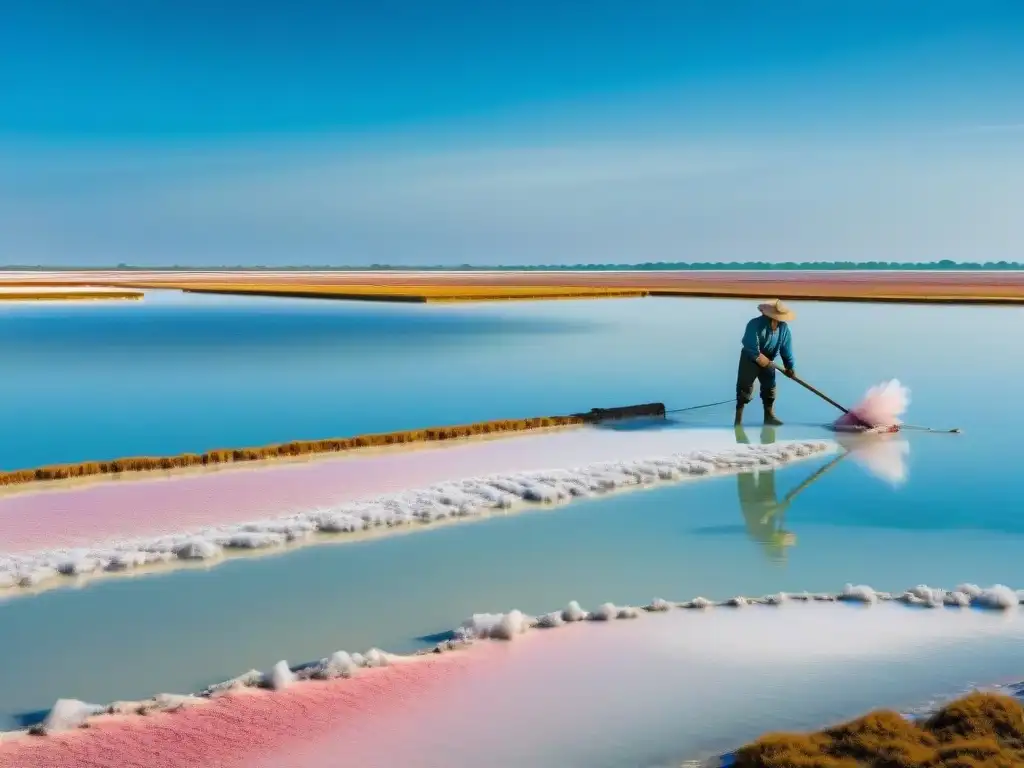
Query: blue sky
x=154, y=132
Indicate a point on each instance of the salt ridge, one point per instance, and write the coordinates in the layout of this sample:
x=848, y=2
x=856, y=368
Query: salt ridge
x=465, y=499
x=70, y=714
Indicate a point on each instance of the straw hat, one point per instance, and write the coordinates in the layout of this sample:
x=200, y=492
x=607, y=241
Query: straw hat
x=776, y=310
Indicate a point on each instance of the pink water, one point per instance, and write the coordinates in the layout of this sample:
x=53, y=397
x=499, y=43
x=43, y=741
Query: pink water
x=646, y=692
x=112, y=509
x=241, y=729
x=665, y=688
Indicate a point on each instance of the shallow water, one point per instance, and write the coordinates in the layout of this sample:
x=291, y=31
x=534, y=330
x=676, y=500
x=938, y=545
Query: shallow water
x=664, y=688
x=195, y=373
x=178, y=372
x=181, y=372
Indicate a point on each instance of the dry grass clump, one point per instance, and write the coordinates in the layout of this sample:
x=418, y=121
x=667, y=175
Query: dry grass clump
x=278, y=450
x=981, y=730
x=312, y=447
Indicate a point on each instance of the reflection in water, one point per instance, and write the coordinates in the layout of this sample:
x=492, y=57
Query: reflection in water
x=763, y=512
x=884, y=456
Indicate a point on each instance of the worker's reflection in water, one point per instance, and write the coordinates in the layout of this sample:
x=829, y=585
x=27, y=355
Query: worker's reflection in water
x=763, y=513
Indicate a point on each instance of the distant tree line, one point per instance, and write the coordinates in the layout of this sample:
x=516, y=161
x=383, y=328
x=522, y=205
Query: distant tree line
x=868, y=266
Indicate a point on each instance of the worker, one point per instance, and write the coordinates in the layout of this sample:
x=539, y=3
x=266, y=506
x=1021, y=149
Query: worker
x=765, y=337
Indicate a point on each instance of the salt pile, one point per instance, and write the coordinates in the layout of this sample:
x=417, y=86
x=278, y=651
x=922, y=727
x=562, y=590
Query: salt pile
x=473, y=497
x=68, y=714
x=882, y=406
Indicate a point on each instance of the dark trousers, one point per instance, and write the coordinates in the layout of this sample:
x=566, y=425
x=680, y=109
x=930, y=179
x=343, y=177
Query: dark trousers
x=748, y=373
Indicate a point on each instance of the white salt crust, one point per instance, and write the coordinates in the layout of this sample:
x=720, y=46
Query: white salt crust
x=464, y=499
x=68, y=714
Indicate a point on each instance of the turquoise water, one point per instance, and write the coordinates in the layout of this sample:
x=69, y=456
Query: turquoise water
x=190, y=373
x=180, y=373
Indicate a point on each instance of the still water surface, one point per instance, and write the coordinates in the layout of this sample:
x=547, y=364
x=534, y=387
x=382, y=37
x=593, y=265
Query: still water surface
x=177, y=374
x=180, y=372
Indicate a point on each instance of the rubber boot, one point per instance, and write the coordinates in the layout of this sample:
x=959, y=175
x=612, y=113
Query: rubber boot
x=739, y=416
x=770, y=419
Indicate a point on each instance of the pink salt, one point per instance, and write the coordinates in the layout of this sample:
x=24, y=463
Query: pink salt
x=113, y=509
x=882, y=406
x=240, y=729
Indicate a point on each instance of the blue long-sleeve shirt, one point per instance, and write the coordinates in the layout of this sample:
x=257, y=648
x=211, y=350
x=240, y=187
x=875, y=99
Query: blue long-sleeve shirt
x=761, y=339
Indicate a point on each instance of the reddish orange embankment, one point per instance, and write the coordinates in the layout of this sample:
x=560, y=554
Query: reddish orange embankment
x=911, y=286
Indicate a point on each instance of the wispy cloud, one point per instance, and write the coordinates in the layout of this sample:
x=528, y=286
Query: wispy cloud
x=557, y=203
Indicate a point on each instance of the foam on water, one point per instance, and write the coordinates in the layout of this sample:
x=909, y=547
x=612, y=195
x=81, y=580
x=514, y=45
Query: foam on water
x=71, y=713
x=466, y=499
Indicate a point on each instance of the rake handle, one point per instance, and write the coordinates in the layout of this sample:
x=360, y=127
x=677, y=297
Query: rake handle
x=808, y=387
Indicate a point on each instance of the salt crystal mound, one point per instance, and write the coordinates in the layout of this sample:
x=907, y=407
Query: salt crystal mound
x=466, y=499
x=69, y=714
x=882, y=406
x=508, y=626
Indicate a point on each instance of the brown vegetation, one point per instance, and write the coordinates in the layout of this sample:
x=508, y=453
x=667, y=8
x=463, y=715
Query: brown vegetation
x=313, y=447
x=981, y=730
